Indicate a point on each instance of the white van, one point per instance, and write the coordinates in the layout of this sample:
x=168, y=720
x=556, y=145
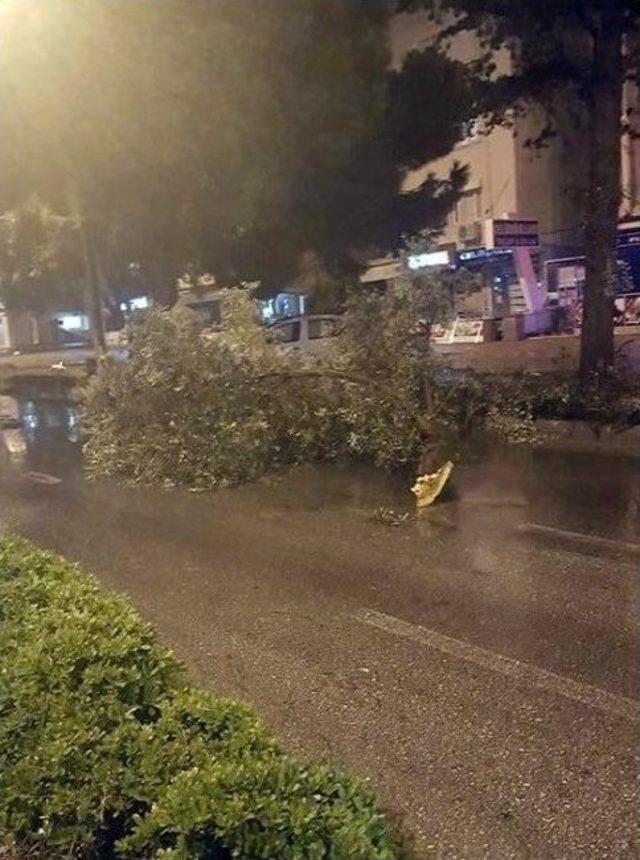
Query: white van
x=306, y=332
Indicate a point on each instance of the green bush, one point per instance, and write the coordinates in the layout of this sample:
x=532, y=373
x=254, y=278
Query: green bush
x=518, y=400
x=508, y=405
x=105, y=752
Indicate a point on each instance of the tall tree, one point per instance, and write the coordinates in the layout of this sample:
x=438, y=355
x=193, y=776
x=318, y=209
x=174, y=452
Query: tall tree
x=73, y=85
x=40, y=258
x=585, y=50
x=234, y=135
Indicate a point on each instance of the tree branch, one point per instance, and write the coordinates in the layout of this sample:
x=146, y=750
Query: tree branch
x=322, y=374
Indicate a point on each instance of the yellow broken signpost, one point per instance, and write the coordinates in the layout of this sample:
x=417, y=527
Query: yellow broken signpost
x=427, y=488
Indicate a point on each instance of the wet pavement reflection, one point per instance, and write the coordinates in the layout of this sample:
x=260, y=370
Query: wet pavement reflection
x=45, y=436
x=257, y=587
x=466, y=566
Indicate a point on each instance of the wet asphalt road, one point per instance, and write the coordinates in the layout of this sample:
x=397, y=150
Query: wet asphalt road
x=481, y=672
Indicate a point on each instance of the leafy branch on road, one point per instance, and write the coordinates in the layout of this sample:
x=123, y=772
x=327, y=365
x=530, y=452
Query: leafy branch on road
x=205, y=411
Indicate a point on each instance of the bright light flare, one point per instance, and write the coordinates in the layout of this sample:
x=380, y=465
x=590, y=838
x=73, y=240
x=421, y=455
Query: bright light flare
x=9, y=7
x=13, y=10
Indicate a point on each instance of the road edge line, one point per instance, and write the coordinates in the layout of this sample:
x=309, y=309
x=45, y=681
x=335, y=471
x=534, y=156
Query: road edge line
x=534, y=676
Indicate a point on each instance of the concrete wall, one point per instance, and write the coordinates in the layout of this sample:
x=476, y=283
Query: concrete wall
x=491, y=161
x=21, y=329
x=542, y=354
x=551, y=181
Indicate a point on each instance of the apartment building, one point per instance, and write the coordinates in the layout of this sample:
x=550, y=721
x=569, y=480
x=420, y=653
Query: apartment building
x=509, y=179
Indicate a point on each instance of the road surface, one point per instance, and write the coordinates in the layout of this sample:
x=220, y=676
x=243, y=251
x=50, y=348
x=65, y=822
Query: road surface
x=479, y=666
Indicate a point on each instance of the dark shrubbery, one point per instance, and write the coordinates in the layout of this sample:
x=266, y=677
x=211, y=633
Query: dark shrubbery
x=105, y=752
x=519, y=400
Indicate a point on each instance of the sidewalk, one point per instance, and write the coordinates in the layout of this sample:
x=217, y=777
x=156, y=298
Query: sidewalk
x=542, y=354
x=49, y=362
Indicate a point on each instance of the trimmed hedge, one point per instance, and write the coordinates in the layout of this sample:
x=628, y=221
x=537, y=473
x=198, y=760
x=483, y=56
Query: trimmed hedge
x=106, y=752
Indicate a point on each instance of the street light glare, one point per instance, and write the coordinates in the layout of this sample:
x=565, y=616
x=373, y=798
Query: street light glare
x=10, y=8
x=7, y=7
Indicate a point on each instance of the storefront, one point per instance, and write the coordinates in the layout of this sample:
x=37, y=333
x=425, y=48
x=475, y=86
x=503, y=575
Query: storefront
x=565, y=279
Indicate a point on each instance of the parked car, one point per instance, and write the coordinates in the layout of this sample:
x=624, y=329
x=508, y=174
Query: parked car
x=306, y=332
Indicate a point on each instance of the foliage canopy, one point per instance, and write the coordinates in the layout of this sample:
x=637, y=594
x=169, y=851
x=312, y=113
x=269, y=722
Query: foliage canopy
x=233, y=135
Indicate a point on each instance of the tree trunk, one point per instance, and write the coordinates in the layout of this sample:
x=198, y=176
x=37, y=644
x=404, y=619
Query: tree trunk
x=603, y=198
x=163, y=279
x=93, y=288
x=87, y=250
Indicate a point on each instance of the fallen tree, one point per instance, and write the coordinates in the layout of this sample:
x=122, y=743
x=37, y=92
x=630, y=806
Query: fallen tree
x=207, y=410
